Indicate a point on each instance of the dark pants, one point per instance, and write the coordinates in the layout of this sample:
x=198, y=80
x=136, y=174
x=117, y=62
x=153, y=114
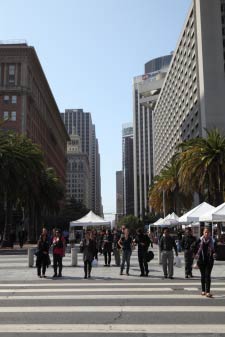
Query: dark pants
x=205, y=270
x=87, y=268
x=143, y=263
x=188, y=258
x=126, y=254
x=43, y=267
x=41, y=264
x=57, y=263
x=107, y=256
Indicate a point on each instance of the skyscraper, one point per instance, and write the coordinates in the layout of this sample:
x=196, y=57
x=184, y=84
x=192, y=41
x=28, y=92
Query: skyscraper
x=28, y=106
x=80, y=122
x=128, y=169
x=192, y=98
x=78, y=173
x=146, y=89
x=119, y=194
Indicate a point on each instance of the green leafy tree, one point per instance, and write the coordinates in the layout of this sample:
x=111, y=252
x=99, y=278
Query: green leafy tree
x=131, y=222
x=202, y=166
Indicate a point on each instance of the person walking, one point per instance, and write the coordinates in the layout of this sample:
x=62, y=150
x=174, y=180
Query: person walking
x=43, y=259
x=88, y=247
x=206, y=253
x=21, y=236
x=58, y=243
x=187, y=245
x=126, y=244
x=167, y=244
x=116, y=247
x=143, y=242
x=107, y=247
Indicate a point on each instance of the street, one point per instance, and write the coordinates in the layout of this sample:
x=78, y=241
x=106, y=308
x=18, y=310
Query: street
x=108, y=303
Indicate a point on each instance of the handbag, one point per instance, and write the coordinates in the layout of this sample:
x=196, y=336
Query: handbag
x=178, y=263
x=94, y=263
x=149, y=256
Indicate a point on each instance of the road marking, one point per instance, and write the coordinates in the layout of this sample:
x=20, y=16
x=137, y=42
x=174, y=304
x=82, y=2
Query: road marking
x=95, y=309
x=80, y=290
x=103, y=297
x=113, y=328
x=91, y=283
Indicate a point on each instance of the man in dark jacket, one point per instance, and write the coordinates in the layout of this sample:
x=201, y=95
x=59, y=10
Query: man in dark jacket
x=167, y=244
x=143, y=242
x=187, y=244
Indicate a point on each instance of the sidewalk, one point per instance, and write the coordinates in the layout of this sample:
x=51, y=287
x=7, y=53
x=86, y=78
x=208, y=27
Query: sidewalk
x=14, y=268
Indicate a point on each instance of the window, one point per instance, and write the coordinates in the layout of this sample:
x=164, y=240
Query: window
x=13, y=116
x=14, y=99
x=5, y=115
x=6, y=99
x=12, y=73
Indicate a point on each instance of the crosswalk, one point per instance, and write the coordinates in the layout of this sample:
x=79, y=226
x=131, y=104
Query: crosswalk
x=100, y=306
x=117, y=308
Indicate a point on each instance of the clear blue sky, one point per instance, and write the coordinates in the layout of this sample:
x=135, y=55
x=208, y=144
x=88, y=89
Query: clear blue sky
x=90, y=50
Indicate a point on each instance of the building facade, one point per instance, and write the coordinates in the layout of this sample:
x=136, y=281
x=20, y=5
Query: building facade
x=119, y=195
x=80, y=122
x=128, y=169
x=192, y=99
x=146, y=89
x=27, y=104
x=78, y=175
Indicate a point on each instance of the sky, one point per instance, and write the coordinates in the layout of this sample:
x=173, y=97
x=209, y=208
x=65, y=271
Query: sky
x=90, y=50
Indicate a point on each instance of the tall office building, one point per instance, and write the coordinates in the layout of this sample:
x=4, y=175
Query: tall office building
x=28, y=106
x=119, y=195
x=146, y=89
x=128, y=169
x=80, y=122
x=192, y=98
x=78, y=175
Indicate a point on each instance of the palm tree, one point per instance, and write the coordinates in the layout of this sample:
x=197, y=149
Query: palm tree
x=20, y=164
x=202, y=166
x=167, y=183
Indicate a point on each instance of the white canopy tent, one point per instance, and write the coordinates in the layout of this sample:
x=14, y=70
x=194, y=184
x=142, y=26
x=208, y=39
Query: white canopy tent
x=194, y=214
x=89, y=220
x=158, y=222
x=171, y=219
x=215, y=215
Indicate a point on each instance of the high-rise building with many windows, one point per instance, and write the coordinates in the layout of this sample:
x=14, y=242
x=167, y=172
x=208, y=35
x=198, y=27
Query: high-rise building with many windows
x=80, y=122
x=192, y=99
x=128, y=168
x=28, y=106
x=146, y=89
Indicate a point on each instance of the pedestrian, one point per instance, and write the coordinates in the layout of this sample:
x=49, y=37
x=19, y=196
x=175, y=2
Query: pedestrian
x=116, y=247
x=88, y=247
x=12, y=238
x=187, y=245
x=206, y=252
x=107, y=247
x=167, y=244
x=58, y=243
x=143, y=242
x=21, y=237
x=43, y=259
x=126, y=244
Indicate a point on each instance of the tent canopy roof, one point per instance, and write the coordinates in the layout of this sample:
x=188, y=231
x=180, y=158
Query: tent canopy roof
x=90, y=219
x=194, y=214
x=217, y=214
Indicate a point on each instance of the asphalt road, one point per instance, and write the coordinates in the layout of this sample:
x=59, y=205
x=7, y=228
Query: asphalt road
x=108, y=304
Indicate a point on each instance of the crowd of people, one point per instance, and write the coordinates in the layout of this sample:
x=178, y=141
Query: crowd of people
x=121, y=243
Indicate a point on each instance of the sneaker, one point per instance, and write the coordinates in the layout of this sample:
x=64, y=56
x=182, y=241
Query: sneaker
x=209, y=295
x=121, y=273
x=142, y=275
x=127, y=274
x=165, y=276
x=203, y=293
x=186, y=276
x=55, y=275
x=89, y=276
x=171, y=277
x=85, y=276
x=60, y=275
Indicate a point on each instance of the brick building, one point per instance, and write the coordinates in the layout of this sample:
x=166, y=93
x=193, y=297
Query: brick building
x=28, y=106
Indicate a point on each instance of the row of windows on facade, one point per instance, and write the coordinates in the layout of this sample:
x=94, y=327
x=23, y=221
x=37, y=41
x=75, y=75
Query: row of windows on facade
x=10, y=99
x=9, y=115
x=11, y=73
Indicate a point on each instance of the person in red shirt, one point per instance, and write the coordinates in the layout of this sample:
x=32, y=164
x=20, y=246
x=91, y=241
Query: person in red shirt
x=58, y=243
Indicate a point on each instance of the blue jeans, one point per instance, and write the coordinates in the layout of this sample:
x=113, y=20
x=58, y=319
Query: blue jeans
x=126, y=259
